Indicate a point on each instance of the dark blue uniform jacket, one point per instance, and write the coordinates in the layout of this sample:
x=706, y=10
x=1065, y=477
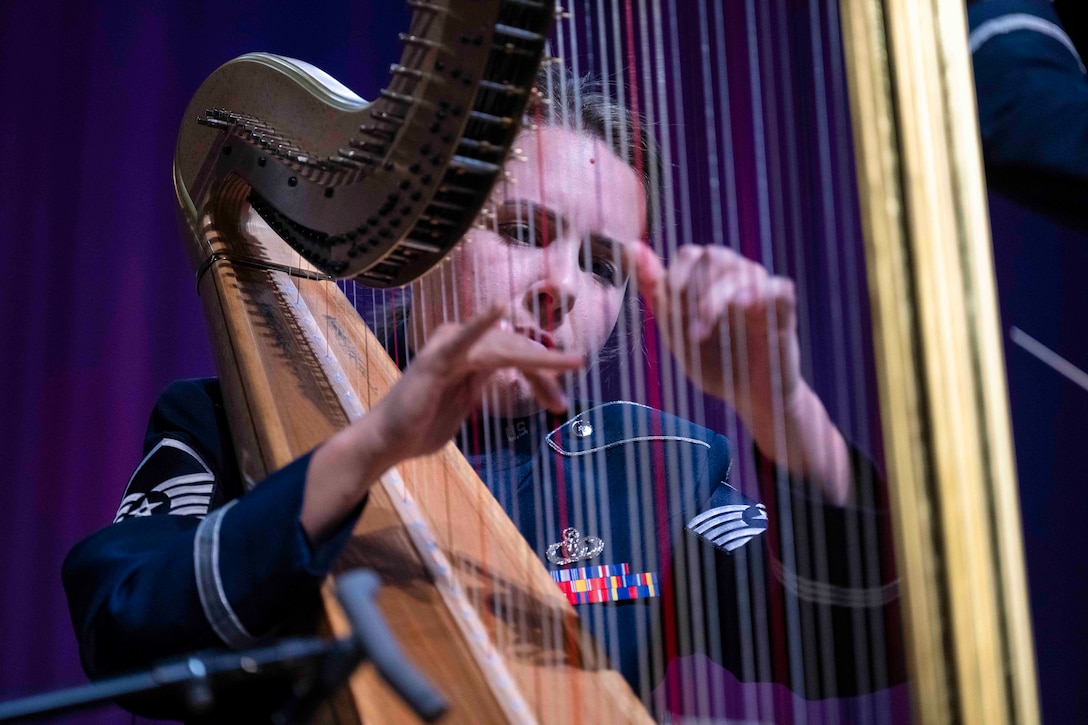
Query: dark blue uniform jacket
x=193, y=563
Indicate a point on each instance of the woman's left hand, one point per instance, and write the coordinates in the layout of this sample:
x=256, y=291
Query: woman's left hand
x=730, y=324
x=732, y=327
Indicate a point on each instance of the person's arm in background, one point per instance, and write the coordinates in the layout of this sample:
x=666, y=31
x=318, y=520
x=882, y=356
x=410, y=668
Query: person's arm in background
x=1032, y=92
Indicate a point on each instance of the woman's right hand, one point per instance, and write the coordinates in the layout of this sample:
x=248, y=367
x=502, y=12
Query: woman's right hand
x=423, y=410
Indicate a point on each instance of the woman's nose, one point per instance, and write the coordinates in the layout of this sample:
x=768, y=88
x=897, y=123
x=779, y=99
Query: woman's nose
x=552, y=296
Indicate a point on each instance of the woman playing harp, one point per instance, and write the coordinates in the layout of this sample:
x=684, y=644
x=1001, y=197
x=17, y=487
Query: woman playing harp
x=672, y=568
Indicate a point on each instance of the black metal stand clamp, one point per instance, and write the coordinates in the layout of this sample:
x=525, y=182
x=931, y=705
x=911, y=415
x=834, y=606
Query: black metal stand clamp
x=317, y=666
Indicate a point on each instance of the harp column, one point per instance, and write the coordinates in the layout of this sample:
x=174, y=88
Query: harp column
x=941, y=369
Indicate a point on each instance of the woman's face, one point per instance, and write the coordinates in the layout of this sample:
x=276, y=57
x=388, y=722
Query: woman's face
x=553, y=254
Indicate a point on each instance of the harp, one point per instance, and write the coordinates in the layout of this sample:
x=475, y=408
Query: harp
x=284, y=155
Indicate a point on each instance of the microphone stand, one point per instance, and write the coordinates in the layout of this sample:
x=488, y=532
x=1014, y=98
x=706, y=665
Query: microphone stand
x=318, y=666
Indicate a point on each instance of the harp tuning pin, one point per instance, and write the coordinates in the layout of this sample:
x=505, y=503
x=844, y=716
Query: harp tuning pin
x=398, y=97
x=385, y=117
x=403, y=70
x=409, y=39
x=375, y=132
x=504, y=88
x=364, y=145
x=359, y=156
x=216, y=123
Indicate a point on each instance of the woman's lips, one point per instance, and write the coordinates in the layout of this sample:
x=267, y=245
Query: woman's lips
x=539, y=337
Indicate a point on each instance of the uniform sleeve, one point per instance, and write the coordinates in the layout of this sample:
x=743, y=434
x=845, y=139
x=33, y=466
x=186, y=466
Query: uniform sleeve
x=832, y=584
x=805, y=591
x=190, y=563
x=1032, y=94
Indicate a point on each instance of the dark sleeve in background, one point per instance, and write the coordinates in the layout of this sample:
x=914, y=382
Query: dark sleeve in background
x=1030, y=82
x=1032, y=94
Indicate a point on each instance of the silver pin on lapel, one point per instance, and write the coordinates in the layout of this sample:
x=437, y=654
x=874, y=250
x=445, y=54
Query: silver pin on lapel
x=574, y=547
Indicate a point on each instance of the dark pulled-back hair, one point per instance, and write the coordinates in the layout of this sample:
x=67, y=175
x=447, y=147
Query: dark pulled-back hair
x=592, y=106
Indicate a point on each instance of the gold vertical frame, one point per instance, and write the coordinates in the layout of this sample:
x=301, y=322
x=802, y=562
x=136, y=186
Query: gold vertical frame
x=941, y=370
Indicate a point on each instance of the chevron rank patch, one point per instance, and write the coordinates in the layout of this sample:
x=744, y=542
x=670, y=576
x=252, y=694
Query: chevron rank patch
x=731, y=526
x=171, y=479
x=605, y=583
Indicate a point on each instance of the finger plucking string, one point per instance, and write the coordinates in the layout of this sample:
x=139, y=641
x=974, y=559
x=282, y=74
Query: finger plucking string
x=473, y=329
x=649, y=272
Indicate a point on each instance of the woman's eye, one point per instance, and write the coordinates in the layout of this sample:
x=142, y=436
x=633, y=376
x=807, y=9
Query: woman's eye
x=605, y=270
x=518, y=232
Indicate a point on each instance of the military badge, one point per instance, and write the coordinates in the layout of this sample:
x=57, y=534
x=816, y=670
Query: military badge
x=573, y=548
x=731, y=526
x=171, y=479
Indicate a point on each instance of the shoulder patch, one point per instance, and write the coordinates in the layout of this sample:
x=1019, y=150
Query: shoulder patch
x=732, y=522
x=171, y=479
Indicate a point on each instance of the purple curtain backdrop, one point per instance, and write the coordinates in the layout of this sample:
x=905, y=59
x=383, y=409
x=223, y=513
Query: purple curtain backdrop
x=100, y=310
x=99, y=306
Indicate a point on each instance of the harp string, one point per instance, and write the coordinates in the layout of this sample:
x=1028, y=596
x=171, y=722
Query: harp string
x=818, y=537
x=827, y=193
x=622, y=333
x=868, y=432
x=724, y=196
x=586, y=516
x=799, y=539
x=604, y=619
x=710, y=122
x=839, y=334
x=757, y=48
x=860, y=417
x=663, y=638
x=668, y=98
x=754, y=639
x=819, y=550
